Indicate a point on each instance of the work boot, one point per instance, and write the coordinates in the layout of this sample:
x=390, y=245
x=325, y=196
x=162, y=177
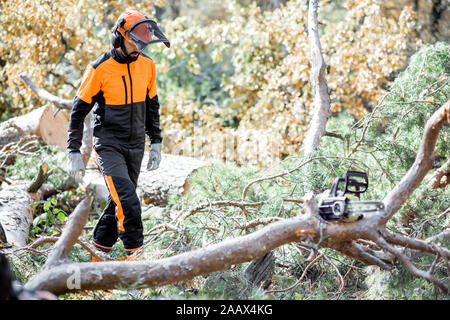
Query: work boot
x=100, y=249
x=94, y=259
x=131, y=254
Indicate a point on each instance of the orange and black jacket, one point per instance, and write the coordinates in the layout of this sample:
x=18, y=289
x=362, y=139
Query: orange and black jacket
x=125, y=100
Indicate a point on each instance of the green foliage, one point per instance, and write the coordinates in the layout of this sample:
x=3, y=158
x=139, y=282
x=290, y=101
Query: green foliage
x=233, y=285
x=50, y=220
x=399, y=284
x=26, y=167
x=414, y=96
x=383, y=143
x=27, y=264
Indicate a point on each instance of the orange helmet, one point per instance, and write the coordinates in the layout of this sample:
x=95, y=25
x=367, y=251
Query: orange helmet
x=138, y=29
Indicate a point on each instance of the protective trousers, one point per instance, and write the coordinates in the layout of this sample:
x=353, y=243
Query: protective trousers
x=120, y=165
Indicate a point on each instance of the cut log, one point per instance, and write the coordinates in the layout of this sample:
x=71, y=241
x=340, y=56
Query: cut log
x=16, y=214
x=53, y=128
x=170, y=178
x=40, y=122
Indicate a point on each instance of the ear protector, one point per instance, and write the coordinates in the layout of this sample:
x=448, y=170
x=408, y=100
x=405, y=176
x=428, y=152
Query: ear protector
x=116, y=37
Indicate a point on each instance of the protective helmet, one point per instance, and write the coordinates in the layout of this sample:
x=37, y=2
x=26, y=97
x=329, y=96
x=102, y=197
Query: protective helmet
x=138, y=29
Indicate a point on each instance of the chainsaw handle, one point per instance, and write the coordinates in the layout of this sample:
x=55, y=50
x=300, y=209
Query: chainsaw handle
x=360, y=187
x=334, y=187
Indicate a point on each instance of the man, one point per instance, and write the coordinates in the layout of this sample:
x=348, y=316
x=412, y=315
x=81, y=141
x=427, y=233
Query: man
x=121, y=84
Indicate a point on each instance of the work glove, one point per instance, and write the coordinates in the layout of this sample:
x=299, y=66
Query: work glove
x=75, y=165
x=155, y=156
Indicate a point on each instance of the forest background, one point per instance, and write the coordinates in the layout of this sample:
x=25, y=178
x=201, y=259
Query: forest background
x=235, y=86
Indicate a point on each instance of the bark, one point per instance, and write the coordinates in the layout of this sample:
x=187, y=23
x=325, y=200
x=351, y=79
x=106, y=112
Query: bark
x=440, y=177
x=40, y=179
x=15, y=128
x=260, y=271
x=321, y=96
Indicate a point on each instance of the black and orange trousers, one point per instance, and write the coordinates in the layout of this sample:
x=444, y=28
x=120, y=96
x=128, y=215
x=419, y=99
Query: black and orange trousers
x=120, y=165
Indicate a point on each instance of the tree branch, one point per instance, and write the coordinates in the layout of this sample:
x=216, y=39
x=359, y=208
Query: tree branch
x=423, y=163
x=70, y=235
x=411, y=267
x=44, y=94
x=321, y=96
x=108, y=275
x=444, y=170
x=416, y=244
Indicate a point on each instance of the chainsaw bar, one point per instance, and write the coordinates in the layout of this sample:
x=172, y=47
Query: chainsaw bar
x=365, y=206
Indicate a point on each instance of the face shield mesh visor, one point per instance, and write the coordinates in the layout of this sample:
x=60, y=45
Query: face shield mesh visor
x=146, y=32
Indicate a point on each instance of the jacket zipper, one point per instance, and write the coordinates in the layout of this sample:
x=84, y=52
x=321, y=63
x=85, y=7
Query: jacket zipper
x=131, y=90
x=126, y=93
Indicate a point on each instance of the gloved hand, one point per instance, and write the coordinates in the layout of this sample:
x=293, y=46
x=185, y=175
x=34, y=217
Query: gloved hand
x=75, y=165
x=155, y=156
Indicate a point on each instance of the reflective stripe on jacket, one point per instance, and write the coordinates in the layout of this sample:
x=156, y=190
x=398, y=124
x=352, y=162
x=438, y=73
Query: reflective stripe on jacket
x=125, y=100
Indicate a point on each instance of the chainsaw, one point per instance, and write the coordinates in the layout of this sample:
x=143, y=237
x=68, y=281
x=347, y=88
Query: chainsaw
x=336, y=205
